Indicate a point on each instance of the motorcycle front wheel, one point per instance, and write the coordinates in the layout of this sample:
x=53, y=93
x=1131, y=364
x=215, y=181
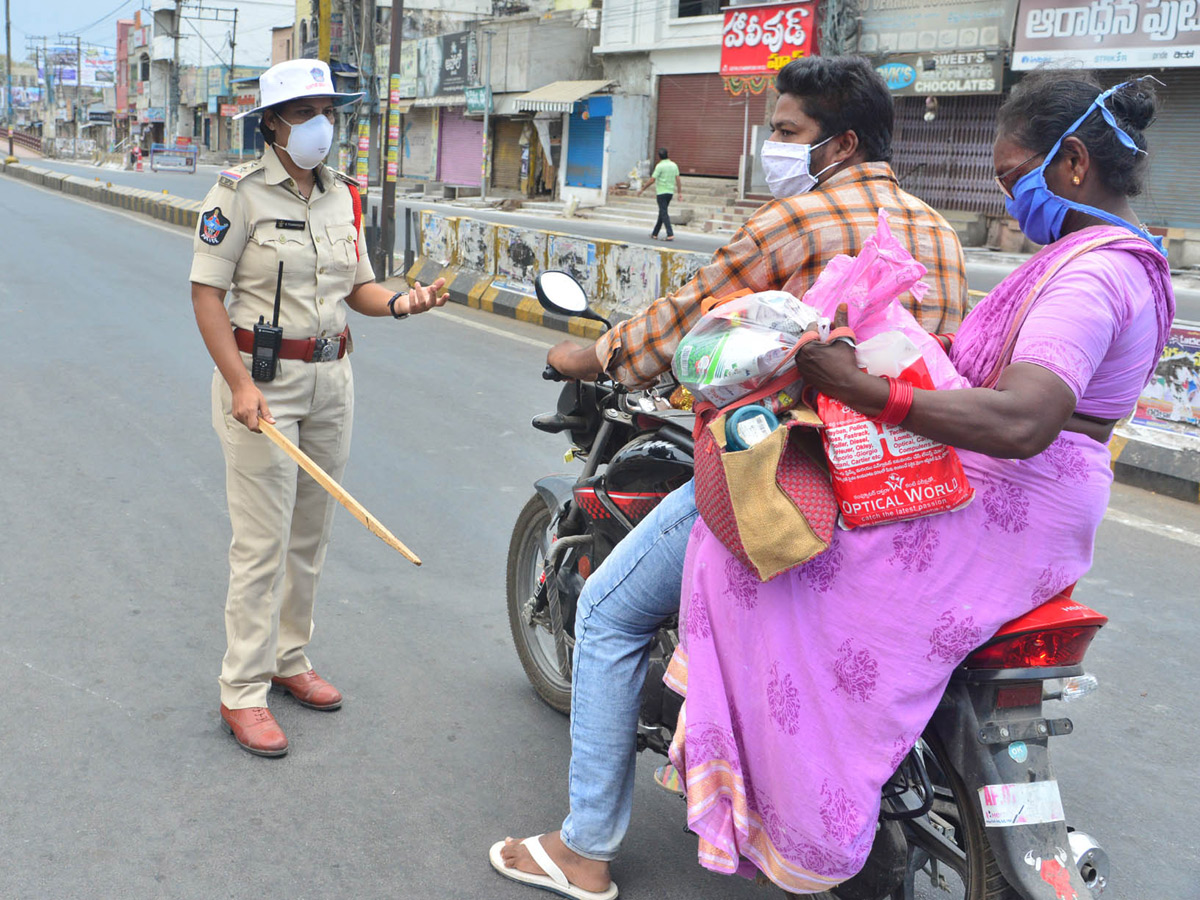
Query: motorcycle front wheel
x=530, y=626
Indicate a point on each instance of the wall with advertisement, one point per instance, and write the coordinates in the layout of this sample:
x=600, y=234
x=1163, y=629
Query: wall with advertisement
x=923, y=26
x=1101, y=34
x=446, y=64
x=940, y=74
x=1171, y=401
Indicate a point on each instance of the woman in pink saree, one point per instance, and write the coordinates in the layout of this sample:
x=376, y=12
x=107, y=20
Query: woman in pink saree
x=806, y=692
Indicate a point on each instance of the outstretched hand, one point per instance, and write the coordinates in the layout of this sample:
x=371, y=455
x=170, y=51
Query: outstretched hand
x=419, y=299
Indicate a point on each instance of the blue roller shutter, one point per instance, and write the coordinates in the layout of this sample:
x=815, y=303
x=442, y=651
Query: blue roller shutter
x=585, y=150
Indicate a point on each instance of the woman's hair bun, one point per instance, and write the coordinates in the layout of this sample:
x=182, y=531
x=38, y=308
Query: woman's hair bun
x=1135, y=104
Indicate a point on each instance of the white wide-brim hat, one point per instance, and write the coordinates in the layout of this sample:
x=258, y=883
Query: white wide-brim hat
x=296, y=78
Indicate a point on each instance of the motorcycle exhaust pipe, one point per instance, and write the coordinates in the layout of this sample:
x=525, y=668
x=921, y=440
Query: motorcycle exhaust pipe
x=1092, y=861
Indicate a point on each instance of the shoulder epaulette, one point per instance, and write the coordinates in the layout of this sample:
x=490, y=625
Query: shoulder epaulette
x=231, y=177
x=349, y=179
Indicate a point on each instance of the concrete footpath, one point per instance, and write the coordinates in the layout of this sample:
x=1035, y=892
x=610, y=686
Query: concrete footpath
x=490, y=266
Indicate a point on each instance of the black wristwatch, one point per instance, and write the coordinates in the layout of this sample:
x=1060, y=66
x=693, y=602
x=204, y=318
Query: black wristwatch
x=392, y=306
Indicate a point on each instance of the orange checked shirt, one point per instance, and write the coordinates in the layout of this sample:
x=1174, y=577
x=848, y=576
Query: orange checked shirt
x=785, y=246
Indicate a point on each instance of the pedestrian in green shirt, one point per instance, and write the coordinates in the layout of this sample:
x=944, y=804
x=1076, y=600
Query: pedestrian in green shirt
x=666, y=185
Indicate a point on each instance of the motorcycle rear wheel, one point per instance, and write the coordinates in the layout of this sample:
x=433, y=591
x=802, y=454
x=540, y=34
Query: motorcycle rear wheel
x=965, y=863
x=527, y=549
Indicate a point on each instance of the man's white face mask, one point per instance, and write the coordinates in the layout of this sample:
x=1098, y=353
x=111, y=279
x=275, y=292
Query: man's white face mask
x=786, y=168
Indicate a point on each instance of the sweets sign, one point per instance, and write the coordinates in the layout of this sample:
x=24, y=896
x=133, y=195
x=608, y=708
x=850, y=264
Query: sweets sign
x=761, y=40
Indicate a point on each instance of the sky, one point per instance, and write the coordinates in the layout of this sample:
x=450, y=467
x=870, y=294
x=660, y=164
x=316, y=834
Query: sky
x=95, y=22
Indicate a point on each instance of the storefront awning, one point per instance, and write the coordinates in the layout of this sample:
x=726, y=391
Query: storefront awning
x=443, y=100
x=559, y=96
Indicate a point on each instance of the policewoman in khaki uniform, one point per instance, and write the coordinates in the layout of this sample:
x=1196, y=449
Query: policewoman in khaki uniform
x=286, y=207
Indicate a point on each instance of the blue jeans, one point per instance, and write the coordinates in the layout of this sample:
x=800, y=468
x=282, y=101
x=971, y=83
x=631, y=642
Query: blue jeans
x=620, y=610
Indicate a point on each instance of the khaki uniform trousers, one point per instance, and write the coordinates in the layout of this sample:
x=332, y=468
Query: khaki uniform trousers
x=281, y=521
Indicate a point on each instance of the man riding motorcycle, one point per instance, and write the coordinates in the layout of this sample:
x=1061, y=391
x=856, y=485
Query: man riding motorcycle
x=827, y=165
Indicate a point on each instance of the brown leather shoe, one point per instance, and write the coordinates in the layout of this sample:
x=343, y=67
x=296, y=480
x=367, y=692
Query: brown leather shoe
x=311, y=690
x=255, y=730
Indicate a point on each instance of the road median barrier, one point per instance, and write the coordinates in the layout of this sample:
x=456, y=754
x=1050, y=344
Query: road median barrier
x=158, y=205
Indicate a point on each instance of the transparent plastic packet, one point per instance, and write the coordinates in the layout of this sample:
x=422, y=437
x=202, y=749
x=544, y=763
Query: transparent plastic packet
x=740, y=345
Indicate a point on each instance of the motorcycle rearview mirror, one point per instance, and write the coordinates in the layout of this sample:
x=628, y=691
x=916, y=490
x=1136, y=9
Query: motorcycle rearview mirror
x=559, y=292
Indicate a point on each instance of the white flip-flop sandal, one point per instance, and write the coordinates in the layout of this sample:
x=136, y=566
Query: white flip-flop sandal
x=554, y=880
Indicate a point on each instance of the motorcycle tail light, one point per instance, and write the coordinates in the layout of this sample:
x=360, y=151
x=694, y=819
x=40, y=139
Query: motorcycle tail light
x=585, y=566
x=1036, y=649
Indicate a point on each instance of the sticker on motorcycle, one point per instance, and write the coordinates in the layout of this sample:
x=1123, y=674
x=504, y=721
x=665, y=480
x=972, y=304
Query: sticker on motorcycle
x=1018, y=751
x=1006, y=805
x=1055, y=873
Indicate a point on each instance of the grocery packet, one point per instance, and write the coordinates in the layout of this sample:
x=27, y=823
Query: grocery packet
x=740, y=345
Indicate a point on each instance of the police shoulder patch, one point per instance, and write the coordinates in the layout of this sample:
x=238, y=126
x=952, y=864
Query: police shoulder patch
x=213, y=226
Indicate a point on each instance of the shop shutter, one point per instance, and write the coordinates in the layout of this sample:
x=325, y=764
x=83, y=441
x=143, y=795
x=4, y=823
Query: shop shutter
x=702, y=125
x=585, y=151
x=460, y=155
x=506, y=154
x=948, y=162
x=1171, y=190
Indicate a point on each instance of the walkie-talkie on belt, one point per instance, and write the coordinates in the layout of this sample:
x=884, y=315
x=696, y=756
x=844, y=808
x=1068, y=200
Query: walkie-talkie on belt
x=267, y=340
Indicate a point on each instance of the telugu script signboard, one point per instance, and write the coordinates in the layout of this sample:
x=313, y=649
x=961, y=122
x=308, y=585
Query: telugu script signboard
x=926, y=26
x=761, y=40
x=942, y=74
x=1107, y=34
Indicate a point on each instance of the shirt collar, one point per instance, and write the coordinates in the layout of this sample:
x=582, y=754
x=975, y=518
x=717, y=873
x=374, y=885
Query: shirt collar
x=872, y=171
x=277, y=174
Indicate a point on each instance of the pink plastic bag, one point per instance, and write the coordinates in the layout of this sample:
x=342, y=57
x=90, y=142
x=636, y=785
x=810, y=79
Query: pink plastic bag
x=871, y=284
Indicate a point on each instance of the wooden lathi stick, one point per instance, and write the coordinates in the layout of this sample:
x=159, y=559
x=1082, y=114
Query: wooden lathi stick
x=340, y=494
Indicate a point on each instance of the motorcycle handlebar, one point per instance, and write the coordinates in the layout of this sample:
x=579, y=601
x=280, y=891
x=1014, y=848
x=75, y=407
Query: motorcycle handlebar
x=551, y=374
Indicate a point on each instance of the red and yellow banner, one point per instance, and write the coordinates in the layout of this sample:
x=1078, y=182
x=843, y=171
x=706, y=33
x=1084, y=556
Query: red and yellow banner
x=761, y=40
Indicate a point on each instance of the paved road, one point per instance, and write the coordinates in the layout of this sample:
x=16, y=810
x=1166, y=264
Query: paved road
x=117, y=781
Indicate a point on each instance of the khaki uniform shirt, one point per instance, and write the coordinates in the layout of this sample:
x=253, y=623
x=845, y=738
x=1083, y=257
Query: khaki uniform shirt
x=253, y=219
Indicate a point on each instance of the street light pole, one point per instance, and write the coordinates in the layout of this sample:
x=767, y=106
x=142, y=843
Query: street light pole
x=8, y=114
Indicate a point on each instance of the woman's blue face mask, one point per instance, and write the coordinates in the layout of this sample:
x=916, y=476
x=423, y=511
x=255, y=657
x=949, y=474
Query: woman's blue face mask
x=1040, y=212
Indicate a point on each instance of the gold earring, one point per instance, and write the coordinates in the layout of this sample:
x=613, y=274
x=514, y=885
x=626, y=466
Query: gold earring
x=1075, y=180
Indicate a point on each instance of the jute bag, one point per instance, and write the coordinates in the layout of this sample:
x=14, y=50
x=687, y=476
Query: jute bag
x=772, y=505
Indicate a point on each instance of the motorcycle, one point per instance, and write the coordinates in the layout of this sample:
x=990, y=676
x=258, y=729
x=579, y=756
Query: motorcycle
x=974, y=807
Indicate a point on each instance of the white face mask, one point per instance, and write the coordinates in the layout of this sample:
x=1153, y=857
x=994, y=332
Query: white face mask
x=309, y=142
x=786, y=167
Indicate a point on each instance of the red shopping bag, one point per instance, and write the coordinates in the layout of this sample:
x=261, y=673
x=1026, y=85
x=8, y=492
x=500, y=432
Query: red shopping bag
x=883, y=473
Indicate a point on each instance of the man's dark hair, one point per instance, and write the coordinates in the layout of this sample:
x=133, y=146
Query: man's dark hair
x=1044, y=104
x=662, y=152
x=843, y=93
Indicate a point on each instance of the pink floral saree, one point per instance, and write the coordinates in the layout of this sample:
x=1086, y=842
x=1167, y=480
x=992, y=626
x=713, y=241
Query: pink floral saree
x=805, y=693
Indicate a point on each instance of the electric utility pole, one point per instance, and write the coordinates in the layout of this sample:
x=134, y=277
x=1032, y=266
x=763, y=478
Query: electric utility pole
x=392, y=144
x=173, y=100
x=8, y=78
x=370, y=108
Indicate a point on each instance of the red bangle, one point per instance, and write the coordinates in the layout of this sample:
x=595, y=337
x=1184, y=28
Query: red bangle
x=899, y=402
